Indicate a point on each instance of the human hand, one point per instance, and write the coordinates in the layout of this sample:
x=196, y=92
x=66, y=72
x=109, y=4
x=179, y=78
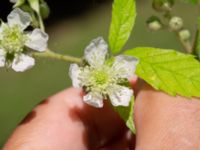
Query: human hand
x=65, y=122
x=166, y=123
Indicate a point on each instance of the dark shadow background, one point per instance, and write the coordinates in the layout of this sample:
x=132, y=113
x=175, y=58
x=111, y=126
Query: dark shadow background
x=60, y=9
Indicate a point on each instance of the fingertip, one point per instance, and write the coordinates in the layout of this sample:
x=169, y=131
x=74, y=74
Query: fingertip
x=133, y=81
x=68, y=97
x=68, y=92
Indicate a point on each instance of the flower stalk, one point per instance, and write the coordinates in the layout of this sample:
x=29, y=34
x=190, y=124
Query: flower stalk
x=50, y=54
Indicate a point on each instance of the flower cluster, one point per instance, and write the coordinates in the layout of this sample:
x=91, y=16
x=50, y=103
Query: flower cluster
x=103, y=77
x=15, y=41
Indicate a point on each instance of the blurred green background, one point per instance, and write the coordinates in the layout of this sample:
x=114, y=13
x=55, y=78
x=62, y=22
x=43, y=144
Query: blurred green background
x=21, y=92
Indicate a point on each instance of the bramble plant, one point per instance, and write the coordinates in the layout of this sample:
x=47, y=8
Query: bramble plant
x=105, y=69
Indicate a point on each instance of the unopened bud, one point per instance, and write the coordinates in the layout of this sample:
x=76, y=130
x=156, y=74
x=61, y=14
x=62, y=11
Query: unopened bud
x=45, y=10
x=184, y=34
x=154, y=23
x=175, y=23
x=163, y=5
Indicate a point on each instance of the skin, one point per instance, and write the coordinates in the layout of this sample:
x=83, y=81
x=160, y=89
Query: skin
x=63, y=122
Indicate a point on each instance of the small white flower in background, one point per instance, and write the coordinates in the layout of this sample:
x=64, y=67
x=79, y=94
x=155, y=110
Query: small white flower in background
x=13, y=40
x=104, y=78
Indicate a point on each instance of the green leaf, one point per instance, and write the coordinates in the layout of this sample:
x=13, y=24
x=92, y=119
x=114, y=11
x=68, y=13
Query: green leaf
x=197, y=41
x=34, y=4
x=168, y=70
x=127, y=114
x=123, y=19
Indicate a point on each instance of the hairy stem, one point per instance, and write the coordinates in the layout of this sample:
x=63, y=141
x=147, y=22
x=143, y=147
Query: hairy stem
x=53, y=55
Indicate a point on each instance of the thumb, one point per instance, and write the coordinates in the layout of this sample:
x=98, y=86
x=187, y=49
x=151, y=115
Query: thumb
x=166, y=122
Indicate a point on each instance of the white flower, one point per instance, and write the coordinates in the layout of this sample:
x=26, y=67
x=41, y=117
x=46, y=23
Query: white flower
x=13, y=40
x=102, y=77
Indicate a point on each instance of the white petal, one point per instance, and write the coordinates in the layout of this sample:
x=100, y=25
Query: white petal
x=120, y=96
x=22, y=63
x=2, y=58
x=19, y=17
x=95, y=52
x=37, y=40
x=94, y=99
x=74, y=73
x=124, y=66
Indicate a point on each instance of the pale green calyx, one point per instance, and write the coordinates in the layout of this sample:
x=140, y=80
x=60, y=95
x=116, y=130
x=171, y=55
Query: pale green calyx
x=104, y=78
x=14, y=40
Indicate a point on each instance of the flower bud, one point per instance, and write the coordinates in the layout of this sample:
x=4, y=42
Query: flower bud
x=184, y=34
x=163, y=5
x=45, y=10
x=175, y=23
x=154, y=23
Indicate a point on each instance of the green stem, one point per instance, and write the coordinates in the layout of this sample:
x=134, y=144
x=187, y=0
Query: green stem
x=41, y=22
x=195, y=41
x=53, y=55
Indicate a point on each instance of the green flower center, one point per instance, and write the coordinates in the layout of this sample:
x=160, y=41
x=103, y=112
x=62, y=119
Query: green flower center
x=101, y=77
x=98, y=79
x=13, y=39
